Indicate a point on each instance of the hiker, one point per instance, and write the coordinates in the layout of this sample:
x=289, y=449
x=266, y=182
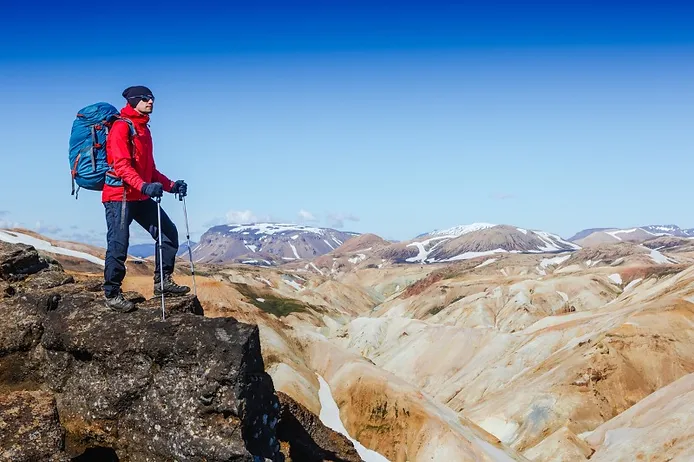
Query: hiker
x=132, y=160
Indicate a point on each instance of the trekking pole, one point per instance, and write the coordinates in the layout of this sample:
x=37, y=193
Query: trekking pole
x=190, y=252
x=161, y=261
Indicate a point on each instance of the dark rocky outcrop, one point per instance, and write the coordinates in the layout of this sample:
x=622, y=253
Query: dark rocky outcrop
x=134, y=387
x=17, y=261
x=311, y=441
x=186, y=388
x=29, y=427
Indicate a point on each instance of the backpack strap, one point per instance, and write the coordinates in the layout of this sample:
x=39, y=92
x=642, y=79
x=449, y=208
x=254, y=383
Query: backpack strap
x=132, y=132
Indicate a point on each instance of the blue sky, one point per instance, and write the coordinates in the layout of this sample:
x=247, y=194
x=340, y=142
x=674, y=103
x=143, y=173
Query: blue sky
x=394, y=118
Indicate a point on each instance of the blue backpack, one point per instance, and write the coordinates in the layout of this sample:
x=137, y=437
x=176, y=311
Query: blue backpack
x=88, y=164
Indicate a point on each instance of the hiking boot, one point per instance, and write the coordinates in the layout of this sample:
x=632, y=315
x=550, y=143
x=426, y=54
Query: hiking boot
x=170, y=287
x=120, y=304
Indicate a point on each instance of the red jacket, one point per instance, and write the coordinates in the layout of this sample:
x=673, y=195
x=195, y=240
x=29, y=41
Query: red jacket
x=134, y=169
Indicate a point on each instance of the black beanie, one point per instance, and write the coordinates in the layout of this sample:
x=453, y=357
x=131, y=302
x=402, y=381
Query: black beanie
x=133, y=94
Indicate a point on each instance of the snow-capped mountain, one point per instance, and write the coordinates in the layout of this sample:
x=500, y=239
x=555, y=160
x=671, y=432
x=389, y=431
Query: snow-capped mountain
x=598, y=236
x=669, y=230
x=475, y=240
x=458, y=230
x=266, y=243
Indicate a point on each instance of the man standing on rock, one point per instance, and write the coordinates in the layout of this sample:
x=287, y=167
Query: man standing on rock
x=131, y=157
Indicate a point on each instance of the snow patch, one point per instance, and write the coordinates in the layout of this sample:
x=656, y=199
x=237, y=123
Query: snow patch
x=659, y=257
x=554, y=242
x=330, y=416
x=251, y=247
x=667, y=229
x=39, y=244
x=423, y=252
x=357, y=259
x=563, y=295
x=500, y=428
x=273, y=228
x=470, y=255
x=486, y=262
x=458, y=231
x=261, y=300
x=621, y=231
x=293, y=283
x=546, y=262
x=632, y=284
x=524, y=231
x=316, y=268
x=619, y=435
x=296, y=254
x=616, y=278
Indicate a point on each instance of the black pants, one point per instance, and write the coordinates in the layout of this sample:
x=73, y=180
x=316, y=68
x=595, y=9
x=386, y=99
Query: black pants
x=145, y=214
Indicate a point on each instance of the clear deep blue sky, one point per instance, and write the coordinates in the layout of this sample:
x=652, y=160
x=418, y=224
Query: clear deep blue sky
x=394, y=118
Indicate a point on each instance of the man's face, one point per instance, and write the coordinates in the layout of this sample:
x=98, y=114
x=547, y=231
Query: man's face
x=145, y=105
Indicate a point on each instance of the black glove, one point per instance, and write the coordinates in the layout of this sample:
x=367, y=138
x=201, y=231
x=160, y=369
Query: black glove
x=180, y=187
x=153, y=189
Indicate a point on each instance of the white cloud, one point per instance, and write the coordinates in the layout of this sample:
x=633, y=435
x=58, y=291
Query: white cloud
x=47, y=229
x=305, y=215
x=91, y=237
x=337, y=220
x=6, y=221
x=241, y=216
x=9, y=224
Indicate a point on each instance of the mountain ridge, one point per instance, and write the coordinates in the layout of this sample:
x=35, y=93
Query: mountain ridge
x=595, y=236
x=266, y=243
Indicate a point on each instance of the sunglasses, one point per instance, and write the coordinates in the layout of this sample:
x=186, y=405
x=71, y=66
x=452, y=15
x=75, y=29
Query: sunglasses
x=144, y=98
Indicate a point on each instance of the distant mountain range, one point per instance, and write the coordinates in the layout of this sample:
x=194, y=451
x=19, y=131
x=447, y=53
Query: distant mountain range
x=596, y=236
x=273, y=243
